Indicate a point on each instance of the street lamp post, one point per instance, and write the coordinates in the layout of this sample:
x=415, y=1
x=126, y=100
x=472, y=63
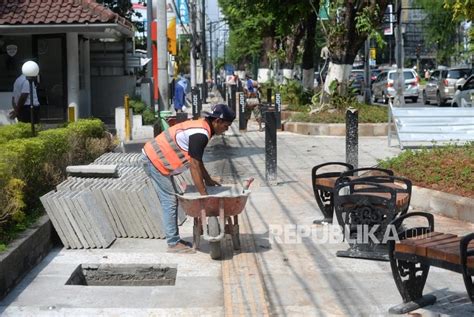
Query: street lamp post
x=31, y=70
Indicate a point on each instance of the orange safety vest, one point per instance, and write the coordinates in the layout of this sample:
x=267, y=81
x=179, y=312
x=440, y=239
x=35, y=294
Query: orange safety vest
x=164, y=152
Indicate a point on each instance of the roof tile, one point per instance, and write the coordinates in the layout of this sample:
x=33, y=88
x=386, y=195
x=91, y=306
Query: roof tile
x=56, y=12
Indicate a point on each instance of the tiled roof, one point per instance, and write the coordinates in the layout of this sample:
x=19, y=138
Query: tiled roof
x=51, y=12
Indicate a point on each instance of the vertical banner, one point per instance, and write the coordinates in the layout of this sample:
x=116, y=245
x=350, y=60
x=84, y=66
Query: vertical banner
x=242, y=119
x=278, y=110
x=183, y=12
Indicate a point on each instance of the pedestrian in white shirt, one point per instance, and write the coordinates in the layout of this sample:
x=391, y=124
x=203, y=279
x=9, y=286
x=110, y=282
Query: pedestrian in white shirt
x=21, y=100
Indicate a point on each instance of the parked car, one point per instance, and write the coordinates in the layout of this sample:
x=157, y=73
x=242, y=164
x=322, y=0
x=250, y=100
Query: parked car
x=464, y=95
x=384, y=86
x=373, y=75
x=356, y=79
x=441, y=86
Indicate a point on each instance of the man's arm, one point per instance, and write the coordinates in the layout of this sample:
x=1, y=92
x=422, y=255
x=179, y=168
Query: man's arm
x=197, y=168
x=21, y=102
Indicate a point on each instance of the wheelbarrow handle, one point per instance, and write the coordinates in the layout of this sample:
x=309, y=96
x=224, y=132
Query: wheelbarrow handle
x=247, y=183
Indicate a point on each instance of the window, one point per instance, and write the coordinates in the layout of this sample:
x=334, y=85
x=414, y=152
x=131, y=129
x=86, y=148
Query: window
x=435, y=75
x=14, y=51
x=469, y=84
x=458, y=73
x=406, y=75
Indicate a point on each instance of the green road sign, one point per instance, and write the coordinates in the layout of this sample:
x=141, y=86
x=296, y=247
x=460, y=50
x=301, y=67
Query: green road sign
x=324, y=11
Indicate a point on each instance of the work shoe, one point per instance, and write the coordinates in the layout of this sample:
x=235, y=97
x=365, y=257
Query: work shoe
x=181, y=247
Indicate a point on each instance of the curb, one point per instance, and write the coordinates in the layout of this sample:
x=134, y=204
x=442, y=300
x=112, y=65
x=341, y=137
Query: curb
x=335, y=129
x=449, y=205
x=24, y=253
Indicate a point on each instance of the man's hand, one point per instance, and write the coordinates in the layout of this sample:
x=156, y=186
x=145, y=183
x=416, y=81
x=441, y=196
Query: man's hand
x=212, y=182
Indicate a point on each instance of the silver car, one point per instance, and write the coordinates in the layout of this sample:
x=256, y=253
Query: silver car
x=464, y=95
x=441, y=86
x=384, y=86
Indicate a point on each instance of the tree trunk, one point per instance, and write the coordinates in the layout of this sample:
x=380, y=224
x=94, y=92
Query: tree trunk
x=343, y=46
x=267, y=46
x=308, y=54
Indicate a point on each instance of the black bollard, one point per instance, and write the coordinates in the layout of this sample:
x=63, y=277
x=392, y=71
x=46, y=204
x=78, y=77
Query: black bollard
x=224, y=91
x=269, y=96
x=352, y=137
x=270, y=147
x=242, y=119
x=195, y=102
x=201, y=98
x=233, y=92
x=278, y=110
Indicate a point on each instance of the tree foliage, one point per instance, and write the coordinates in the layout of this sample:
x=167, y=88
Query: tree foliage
x=124, y=8
x=440, y=28
x=463, y=9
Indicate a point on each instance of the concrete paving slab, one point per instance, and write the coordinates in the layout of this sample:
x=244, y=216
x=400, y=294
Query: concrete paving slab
x=55, y=219
x=296, y=278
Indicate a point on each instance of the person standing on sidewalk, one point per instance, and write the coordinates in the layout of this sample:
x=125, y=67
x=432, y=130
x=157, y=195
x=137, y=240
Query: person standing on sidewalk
x=21, y=101
x=172, y=152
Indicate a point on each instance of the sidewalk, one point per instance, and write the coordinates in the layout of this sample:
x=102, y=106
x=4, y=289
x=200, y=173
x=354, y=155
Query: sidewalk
x=264, y=278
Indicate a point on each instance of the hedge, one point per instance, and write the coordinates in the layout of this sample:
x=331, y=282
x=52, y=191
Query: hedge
x=32, y=166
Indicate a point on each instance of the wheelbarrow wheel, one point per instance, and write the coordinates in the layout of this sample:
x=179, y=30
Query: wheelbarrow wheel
x=213, y=224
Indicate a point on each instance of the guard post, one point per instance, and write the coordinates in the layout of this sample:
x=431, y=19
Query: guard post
x=269, y=96
x=195, y=102
x=233, y=91
x=242, y=119
x=352, y=137
x=278, y=110
x=270, y=147
x=126, y=102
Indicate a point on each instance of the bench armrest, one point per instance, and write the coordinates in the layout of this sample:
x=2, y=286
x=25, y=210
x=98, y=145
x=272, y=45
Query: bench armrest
x=463, y=248
x=380, y=171
x=315, y=169
x=413, y=232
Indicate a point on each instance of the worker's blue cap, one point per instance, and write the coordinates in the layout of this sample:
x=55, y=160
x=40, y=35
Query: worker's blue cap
x=221, y=111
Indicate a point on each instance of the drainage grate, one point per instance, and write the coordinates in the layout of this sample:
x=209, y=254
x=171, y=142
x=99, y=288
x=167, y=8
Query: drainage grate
x=123, y=275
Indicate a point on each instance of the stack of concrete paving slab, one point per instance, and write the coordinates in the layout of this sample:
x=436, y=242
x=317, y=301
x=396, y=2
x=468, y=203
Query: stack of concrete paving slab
x=90, y=212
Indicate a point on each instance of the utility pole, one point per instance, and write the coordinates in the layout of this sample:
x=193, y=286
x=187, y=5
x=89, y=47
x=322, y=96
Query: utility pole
x=162, y=52
x=399, y=55
x=211, y=64
x=203, y=49
x=149, y=47
x=367, y=92
x=192, y=16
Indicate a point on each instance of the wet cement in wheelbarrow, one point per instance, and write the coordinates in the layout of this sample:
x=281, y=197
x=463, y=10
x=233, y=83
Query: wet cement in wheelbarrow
x=219, y=191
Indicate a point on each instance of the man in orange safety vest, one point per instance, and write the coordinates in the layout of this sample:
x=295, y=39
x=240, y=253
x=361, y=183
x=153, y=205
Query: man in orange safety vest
x=172, y=152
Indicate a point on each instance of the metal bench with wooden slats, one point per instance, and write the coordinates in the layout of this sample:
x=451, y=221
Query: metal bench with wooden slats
x=369, y=204
x=422, y=247
x=324, y=183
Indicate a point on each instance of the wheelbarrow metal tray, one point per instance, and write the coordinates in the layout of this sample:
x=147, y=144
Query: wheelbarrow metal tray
x=234, y=202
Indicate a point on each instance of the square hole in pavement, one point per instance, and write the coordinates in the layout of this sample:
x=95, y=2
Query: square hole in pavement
x=123, y=275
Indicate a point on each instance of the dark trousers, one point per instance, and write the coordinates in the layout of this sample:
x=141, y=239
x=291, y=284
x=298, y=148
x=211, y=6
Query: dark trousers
x=25, y=116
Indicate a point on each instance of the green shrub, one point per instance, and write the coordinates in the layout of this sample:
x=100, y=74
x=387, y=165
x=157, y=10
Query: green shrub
x=367, y=114
x=30, y=167
x=139, y=107
x=447, y=168
x=14, y=131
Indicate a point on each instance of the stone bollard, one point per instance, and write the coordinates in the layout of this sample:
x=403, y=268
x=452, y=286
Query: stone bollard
x=270, y=148
x=352, y=137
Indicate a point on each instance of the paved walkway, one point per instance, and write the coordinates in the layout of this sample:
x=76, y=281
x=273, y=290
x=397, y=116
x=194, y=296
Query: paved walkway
x=264, y=278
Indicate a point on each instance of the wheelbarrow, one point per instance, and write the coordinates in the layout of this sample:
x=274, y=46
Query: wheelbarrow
x=216, y=215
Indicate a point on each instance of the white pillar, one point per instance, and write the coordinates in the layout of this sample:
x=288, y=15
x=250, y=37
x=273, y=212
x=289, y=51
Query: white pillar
x=162, y=52
x=73, y=71
x=87, y=78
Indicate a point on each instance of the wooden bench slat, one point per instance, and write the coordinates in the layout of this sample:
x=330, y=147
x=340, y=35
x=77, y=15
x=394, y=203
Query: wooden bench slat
x=449, y=252
x=326, y=181
x=421, y=249
x=409, y=245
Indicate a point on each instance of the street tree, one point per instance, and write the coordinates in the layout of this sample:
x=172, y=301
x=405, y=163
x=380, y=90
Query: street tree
x=271, y=29
x=350, y=23
x=440, y=29
x=463, y=9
